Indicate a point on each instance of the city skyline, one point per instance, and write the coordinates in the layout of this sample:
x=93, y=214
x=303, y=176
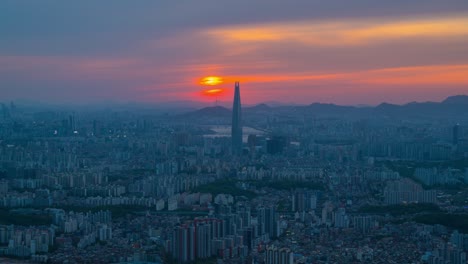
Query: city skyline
x=124, y=137
x=308, y=52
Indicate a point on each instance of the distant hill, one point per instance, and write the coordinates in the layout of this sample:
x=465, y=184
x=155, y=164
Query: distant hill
x=452, y=107
x=329, y=108
x=212, y=111
x=258, y=108
x=457, y=99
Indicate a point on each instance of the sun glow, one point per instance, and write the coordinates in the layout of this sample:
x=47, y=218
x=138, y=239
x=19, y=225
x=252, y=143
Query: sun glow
x=213, y=92
x=211, y=80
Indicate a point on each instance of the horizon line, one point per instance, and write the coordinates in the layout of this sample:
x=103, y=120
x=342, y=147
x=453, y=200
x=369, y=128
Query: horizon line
x=204, y=103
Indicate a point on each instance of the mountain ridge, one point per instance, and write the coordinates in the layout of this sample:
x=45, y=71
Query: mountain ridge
x=451, y=106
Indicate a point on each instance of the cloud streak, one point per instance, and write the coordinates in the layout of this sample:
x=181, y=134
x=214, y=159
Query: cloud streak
x=342, y=33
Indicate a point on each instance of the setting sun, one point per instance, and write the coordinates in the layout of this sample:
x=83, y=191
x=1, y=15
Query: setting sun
x=213, y=92
x=211, y=80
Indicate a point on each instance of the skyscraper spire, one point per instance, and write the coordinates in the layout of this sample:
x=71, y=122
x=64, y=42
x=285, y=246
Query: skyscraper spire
x=236, y=130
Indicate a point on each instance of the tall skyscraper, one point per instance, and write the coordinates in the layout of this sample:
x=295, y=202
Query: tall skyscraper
x=456, y=133
x=270, y=221
x=236, y=130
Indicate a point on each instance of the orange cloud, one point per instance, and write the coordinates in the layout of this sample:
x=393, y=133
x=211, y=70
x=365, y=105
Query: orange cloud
x=336, y=33
x=419, y=75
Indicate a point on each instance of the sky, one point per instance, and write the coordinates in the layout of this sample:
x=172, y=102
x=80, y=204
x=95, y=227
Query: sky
x=299, y=51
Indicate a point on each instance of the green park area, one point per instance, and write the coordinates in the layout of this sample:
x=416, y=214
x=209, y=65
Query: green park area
x=14, y=217
x=401, y=209
x=456, y=221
